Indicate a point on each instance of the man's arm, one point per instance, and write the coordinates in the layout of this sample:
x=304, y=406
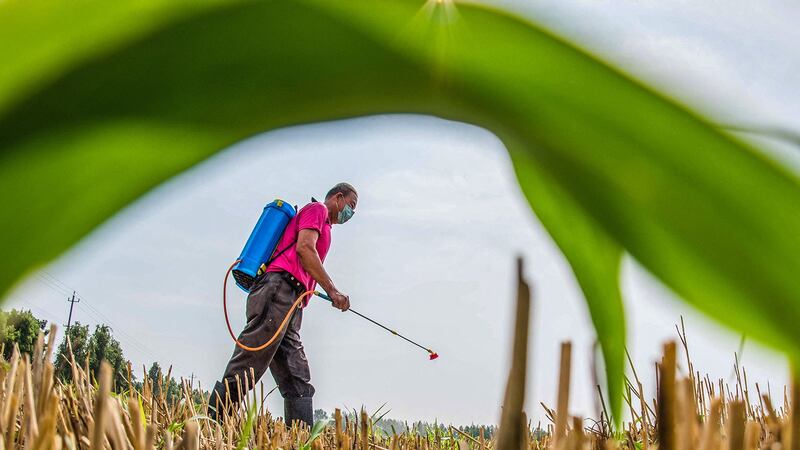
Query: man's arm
x=309, y=258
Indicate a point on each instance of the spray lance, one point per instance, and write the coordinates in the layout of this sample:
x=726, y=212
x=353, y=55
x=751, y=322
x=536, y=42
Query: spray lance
x=431, y=354
x=258, y=252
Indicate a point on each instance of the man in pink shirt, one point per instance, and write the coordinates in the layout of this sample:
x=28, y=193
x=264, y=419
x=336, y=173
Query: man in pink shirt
x=296, y=268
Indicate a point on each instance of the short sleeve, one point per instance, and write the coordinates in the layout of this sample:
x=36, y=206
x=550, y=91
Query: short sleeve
x=312, y=217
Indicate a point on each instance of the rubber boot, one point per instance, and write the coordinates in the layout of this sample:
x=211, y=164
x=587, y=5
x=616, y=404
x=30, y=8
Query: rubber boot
x=215, y=409
x=299, y=408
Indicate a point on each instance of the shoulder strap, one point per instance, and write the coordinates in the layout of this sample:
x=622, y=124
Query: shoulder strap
x=262, y=269
x=266, y=264
x=281, y=252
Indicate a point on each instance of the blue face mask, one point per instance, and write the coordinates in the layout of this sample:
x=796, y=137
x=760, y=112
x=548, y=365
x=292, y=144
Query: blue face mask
x=345, y=214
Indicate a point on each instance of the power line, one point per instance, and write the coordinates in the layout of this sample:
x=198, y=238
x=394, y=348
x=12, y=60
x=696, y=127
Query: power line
x=120, y=334
x=59, y=286
x=74, y=299
x=52, y=285
x=46, y=274
x=39, y=310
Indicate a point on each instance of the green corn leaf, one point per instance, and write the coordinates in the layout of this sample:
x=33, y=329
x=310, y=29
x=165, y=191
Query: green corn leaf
x=316, y=432
x=247, y=428
x=176, y=427
x=88, y=126
x=379, y=418
x=595, y=260
x=142, y=416
x=377, y=411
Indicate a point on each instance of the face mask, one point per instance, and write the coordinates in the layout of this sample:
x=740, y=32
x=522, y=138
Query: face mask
x=345, y=214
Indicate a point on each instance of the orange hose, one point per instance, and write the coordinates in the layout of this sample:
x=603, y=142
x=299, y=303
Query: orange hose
x=280, y=328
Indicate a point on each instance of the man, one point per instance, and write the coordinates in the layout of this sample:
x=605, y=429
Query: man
x=296, y=269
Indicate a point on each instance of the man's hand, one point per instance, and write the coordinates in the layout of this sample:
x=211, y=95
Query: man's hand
x=340, y=301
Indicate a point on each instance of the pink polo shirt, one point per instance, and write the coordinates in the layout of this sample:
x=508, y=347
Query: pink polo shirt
x=313, y=216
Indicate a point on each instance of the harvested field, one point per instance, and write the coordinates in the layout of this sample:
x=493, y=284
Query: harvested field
x=689, y=412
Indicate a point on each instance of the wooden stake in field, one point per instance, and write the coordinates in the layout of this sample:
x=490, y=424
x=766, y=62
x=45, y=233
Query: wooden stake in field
x=794, y=433
x=666, y=400
x=562, y=409
x=511, y=422
x=736, y=425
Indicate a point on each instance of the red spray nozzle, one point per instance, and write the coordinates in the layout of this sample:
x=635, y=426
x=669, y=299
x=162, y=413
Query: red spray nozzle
x=433, y=355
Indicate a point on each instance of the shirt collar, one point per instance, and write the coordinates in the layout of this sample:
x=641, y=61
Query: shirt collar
x=327, y=217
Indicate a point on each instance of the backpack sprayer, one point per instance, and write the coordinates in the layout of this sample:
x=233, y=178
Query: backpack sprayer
x=258, y=252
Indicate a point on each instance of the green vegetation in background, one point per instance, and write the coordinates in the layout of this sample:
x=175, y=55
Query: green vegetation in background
x=607, y=164
x=78, y=335
x=173, y=392
x=21, y=328
x=97, y=346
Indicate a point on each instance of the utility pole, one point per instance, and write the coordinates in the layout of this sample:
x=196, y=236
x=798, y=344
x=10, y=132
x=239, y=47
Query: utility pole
x=72, y=302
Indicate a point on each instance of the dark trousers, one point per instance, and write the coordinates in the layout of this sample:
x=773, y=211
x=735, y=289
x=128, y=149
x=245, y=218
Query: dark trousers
x=270, y=299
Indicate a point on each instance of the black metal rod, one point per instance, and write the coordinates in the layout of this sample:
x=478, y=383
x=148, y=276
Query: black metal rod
x=325, y=296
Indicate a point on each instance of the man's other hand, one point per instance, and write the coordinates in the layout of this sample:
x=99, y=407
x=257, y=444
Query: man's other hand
x=340, y=301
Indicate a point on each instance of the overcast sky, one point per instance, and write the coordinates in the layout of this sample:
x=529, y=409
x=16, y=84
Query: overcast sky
x=431, y=248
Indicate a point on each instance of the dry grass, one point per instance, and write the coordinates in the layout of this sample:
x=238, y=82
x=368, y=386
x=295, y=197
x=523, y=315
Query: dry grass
x=689, y=412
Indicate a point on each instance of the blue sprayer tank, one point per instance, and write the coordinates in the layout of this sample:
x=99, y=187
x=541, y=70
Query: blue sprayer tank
x=262, y=242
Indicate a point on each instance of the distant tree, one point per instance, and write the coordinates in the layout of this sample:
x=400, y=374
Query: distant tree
x=475, y=430
x=96, y=347
x=153, y=375
x=103, y=346
x=320, y=414
x=21, y=328
x=391, y=426
x=173, y=389
x=79, y=337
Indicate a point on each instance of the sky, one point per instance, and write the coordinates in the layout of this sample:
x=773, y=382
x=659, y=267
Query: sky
x=431, y=248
